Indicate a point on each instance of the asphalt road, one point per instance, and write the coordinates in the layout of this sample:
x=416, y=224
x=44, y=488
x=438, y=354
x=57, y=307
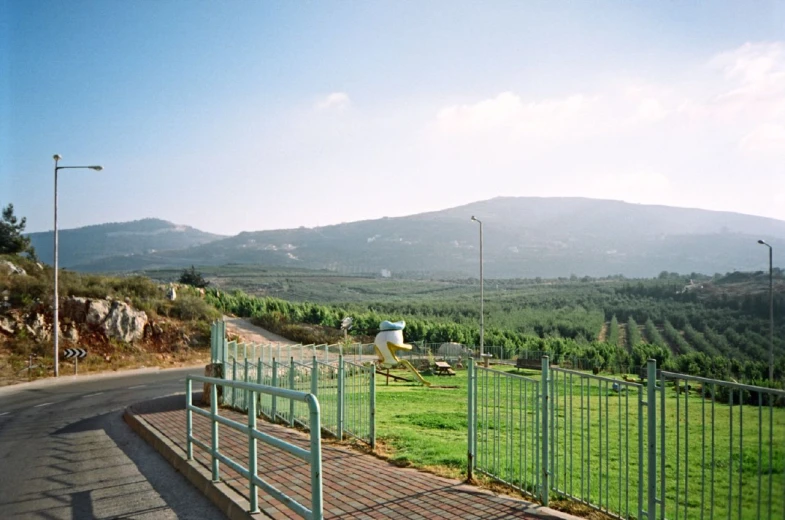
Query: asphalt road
x=65, y=451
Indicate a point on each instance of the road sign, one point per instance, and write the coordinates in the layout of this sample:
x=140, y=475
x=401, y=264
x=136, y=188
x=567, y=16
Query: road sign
x=78, y=353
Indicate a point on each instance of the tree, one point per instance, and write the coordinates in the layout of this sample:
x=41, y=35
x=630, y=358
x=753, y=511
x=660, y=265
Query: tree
x=12, y=242
x=194, y=278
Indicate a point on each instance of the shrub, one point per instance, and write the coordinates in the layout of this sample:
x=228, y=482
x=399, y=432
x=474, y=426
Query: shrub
x=189, y=308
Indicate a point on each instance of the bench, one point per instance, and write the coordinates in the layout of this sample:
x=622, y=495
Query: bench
x=530, y=364
x=443, y=369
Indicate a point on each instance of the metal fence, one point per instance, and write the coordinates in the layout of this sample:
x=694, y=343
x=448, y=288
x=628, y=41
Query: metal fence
x=312, y=456
x=598, y=442
x=670, y=446
x=725, y=446
x=346, y=390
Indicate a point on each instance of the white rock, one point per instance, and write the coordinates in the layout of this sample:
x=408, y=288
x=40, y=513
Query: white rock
x=12, y=268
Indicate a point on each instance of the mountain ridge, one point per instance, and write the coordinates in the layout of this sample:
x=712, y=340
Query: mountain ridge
x=523, y=237
x=91, y=243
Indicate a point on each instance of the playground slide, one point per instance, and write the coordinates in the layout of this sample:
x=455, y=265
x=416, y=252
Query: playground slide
x=415, y=372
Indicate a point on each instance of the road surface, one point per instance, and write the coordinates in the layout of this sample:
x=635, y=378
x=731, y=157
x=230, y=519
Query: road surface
x=65, y=451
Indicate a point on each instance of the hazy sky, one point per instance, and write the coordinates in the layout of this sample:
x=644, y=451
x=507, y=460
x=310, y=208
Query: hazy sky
x=251, y=115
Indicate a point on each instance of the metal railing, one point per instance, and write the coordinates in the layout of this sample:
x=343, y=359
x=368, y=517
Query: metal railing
x=670, y=446
x=346, y=392
x=358, y=401
x=312, y=456
x=597, y=441
x=725, y=443
x=505, y=429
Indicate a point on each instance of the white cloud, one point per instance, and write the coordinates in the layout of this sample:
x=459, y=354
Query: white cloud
x=333, y=101
x=747, y=83
x=765, y=138
x=650, y=109
x=755, y=64
x=510, y=113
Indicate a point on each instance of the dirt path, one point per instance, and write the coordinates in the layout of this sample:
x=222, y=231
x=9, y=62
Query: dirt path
x=250, y=333
x=603, y=332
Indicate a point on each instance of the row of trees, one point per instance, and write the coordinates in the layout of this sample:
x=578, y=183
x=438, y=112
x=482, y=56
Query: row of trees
x=606, y=355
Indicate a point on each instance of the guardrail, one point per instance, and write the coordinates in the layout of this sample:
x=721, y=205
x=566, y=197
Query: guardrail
x=313, y=455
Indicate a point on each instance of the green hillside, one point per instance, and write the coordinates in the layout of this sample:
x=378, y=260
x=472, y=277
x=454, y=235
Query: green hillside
x=524, y=237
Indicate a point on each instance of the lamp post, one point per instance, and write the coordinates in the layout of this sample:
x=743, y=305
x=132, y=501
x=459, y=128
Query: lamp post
x=482, y=297
x=56, y=324
x=771, y=310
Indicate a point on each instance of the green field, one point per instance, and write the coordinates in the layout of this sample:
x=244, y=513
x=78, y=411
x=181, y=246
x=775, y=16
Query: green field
x=428, y=428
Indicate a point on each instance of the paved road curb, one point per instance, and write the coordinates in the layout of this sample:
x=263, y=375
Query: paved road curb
x=228, y=501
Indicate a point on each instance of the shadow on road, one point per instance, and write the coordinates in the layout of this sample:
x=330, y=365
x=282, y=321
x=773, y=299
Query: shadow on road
x=99, y=468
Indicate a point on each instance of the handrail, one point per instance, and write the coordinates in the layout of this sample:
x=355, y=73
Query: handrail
x=313, y=455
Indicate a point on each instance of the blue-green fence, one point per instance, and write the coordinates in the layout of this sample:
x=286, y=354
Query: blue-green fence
x=346, y=390
x=312, y=456
x=667, y=446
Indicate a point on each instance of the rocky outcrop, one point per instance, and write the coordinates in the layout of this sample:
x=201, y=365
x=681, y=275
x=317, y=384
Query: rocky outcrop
x=7, y=325
x=110, y=318
x=37, y=326
x=12, y=268
x=116, y=319
x=74, y=309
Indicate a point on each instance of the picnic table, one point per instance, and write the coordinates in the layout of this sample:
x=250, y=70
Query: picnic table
x=443, y=368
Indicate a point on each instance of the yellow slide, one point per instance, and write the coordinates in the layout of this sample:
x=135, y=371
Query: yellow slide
x=415, y=372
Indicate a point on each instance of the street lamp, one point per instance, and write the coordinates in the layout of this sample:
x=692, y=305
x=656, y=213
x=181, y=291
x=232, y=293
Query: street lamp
x=771, y=311
x=56, y=324
x=482, y=297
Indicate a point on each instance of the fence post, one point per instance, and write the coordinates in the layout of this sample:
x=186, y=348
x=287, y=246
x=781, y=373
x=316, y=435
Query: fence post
x=234, y=378
x=340, y=403
x=651, y=411
x=189, y=419
x=545, y=404
x=214, y=431
x=470, y=405
x=317, y=497
x=252, y=450
x=212, y=342
x=291, y=387
x=315, y=377
x=245, y=392
x=275, y=384
x=373, y=407
x=259, y=375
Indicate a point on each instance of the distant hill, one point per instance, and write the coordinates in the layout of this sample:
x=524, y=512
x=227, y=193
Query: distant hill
x=93, y=243
x=523, y=237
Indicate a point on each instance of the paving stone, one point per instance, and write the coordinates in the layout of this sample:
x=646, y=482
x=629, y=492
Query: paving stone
x=356, y=485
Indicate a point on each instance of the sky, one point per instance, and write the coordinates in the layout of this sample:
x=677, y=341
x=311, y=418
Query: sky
x=253, y=115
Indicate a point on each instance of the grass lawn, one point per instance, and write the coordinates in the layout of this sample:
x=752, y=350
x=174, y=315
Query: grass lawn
x=595, y=443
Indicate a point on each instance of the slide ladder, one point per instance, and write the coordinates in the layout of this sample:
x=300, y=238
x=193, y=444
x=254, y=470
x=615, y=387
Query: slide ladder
x=415, y=372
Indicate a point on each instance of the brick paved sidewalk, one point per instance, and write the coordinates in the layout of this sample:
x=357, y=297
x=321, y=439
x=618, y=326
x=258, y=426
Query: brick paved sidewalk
x=356, y=485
